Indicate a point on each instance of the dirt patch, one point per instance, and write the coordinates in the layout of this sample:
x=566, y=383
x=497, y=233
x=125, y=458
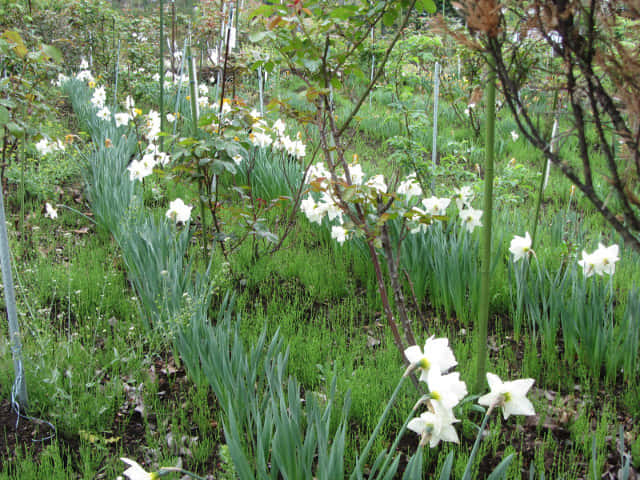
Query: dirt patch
x=25, y=434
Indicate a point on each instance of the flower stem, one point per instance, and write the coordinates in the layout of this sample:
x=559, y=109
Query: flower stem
x=365, y=453
x=397, y=440
x=476, y=445
x=166, y=470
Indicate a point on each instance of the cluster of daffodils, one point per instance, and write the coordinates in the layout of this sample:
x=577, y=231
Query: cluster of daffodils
x=45, y=147
x=446, y=390
x=170, y=79
x=152, y=155
x=368, y=190
x=178, y=211
x=143, y=167
x=275, y=137
x=602, y=261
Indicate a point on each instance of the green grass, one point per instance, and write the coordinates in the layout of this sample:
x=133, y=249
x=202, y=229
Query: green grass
x=86, y=343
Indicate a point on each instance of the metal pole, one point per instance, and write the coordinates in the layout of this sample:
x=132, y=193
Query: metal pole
x=373, y=63
x=261, y=89
x=161, y=72
x=115, y=88
x=434, y=147
x=19, y=391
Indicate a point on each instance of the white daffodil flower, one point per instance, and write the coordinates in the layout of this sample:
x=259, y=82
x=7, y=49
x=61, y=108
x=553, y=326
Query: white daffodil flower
x=279, y=126
x=435, y=426
x=377, y=183
x=99, y=97
x=511, y=396
x=602, y=261
x=136, y=472
x=311, y=209
x=339, y=233
x=43, y=147
x=463, y=197
x=50, y=212
x=514, y=135
x=122, y=119
x=520, y=246
x=104, y=113
x=260, y=139
x=471, y=218
x=436, y=354
x=178, y=211
x=316, y=172
x=410, y=187
x=299, y=149
x=588, y=263
x=139, y=169
x=356, y=174
x=447, y=390
x=608, y=257
x=436, y=206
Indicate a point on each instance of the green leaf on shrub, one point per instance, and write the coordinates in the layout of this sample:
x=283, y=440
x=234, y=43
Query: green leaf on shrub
x=264, y=10
x=4, y=116
x=389, y=17
x=257, y=37
x=15, y=129
x=52, y=52
x=427, y=5
x=344, y=12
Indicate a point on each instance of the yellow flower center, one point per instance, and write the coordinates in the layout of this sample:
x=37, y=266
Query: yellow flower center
x=424, y=364
x=435, y=396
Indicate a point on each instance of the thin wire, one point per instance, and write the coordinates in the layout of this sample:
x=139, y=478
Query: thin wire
x=15, y=406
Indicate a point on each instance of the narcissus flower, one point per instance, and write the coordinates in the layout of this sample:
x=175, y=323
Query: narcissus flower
x=179, y=212
x=463, y=196
x=410, y=187
x=356, y=173
x=136, y=472
x=447, y=390
x=139, y=169
x=471, y=218
x=436, y=354
x=436, y=206
x=122, y=118
x=104, y=113
x=435, y=426
x=377, y=183
x=99, y=97
x=312, y=210
x=50, y=212
x=602, y=261
x=260, y=139
x=339, y=233
x=511, y=396
x=520, y=246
